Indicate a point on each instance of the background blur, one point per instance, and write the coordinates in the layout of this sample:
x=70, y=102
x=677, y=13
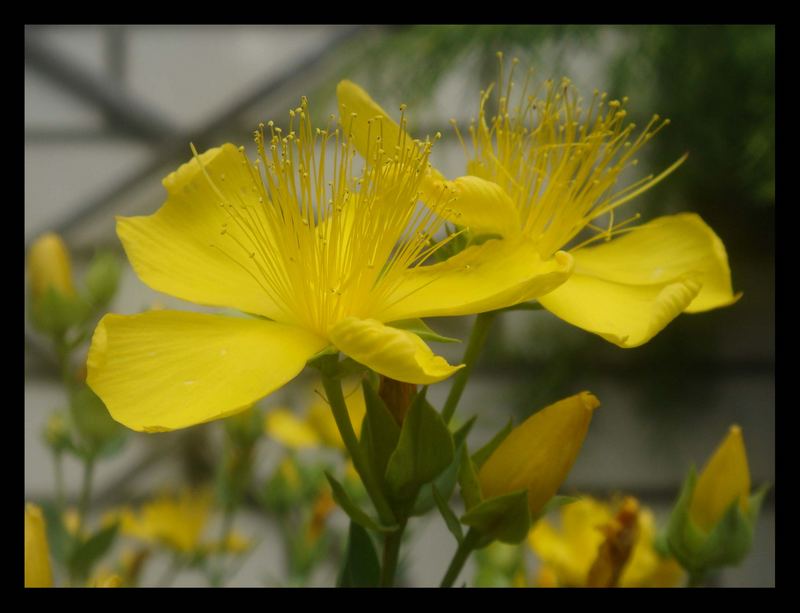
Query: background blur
x=110, y=111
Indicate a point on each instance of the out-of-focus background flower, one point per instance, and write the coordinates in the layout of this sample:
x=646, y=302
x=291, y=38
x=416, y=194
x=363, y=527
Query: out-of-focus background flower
x=110, y=111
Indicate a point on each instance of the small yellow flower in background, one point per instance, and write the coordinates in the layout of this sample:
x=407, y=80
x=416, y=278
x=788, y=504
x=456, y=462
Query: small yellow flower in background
x=106, y=579
x=179, y=522
x=324, y=505
x=49, y=266
x=569, y=553
x=724, y=480
x=538, y=454
x=544, y=170
x=37, y=553
x=324, y=257
x=318, y=427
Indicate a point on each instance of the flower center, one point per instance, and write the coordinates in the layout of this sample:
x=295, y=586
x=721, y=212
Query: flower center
x=559, y=162
x=322, y=240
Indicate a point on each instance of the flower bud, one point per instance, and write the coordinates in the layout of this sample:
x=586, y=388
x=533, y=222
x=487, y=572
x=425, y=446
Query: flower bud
x=37, y=553
x=538, y=454
x=49, y=266
x=713, y=520
x=725, y=478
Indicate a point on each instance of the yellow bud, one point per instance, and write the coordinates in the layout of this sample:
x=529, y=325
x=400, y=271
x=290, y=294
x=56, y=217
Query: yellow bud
x=49, y=266
x=37, y=553
x=538, y=454
x=725, y=478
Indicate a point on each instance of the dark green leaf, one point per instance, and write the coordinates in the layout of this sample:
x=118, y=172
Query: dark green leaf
x=446, y=482
x=58, y=537
x=354, y=512
x=480, y=456
x=379, y=432
x=450, y=518
x=90, y=551
x=424, y=450
x=503, y=518
x=468, y=480
x=102, y=279
x=361, y=567
x=554, y=503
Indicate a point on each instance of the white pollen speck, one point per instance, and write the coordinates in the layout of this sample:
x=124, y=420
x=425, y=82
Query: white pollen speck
x=223, y=352
x=188, y=382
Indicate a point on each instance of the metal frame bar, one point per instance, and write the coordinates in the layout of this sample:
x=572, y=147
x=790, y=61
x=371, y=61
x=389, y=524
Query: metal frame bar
x=175, y=148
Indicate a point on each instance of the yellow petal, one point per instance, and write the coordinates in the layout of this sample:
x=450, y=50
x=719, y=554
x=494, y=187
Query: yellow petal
x=470, y=201
x=481, y=278
x=626, y=315
x=538, y=454
x=164, y=370
x=647, y=568
x=665, y=250
x=629, y=289
x=570, y=550
x=285, y=427
x=37, y=553
x=370, y=122
x=180, y=250
x=725, y=479
x=390, y=351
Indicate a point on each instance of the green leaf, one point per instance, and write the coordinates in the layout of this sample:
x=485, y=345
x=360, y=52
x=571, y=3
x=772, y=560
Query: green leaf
x=379, y=432
x=90, y=551
x=102, y=279
x=424, y=450
x=446, y=482
x=361, y=567
x=554, y=503
x=450, y=518
x=503, y=518
x=58, y=537
x=98, y=431
x=480, y=456
x=354, y=512
x=468, y=480
x=54, y=313
x=421, y=329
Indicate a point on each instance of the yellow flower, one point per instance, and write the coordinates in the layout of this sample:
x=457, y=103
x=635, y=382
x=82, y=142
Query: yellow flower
x=178, y=522
x=318, y=427
x=49, y=266
x=569, y=553
x=544, y=170
x=37, y=553
x=324, y=257
x=724, y=480
x=538, y=454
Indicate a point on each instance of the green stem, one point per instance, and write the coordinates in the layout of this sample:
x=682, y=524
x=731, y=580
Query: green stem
x=59, y=473
x=477, y=339
x=333, y=390
x=86, y=492
x=391, y=553
x=465, y=547
x=219, y=576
